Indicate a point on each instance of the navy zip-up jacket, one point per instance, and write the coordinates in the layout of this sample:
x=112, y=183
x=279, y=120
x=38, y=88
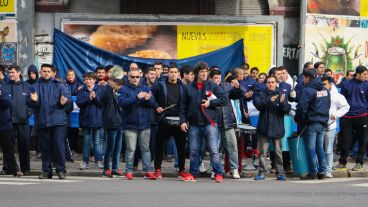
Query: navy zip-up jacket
x=136, y=113
x=111, y=111
x=20, y=112
x=356, y=93
x=47, y=109
x=271, y=114
x=90, y=112
x=73, y=87
x=5, y=105
x=314, y=104
x=191, y=104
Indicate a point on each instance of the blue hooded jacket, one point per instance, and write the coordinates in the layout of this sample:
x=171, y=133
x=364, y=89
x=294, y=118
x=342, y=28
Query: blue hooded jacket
x=135, y=113
x=90, y=113
x=5, y=105
x=47, y=109
x=314, y=104
x=356, y=93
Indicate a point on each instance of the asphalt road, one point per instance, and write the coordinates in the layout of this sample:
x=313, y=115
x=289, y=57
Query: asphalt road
x=104, y=192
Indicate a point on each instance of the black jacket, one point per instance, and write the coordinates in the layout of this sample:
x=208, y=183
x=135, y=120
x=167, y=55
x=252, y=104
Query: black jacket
x=271, y=114
x=111, y=111
x=159, y=91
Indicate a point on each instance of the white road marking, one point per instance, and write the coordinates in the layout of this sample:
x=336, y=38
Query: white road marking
x=16, y=183
x=38, y=180
x=329, y=180
x=361, y=185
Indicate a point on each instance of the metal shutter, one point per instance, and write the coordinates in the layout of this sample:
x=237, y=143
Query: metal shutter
x=241, y=7
x=94, y=6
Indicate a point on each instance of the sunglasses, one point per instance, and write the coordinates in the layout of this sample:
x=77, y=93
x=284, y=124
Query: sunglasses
x=137, y=77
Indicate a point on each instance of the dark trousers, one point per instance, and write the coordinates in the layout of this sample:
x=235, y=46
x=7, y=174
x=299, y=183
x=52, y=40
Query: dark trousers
x=359, y=125
x=73, y=137
x=22, y=134
x=52, y=141
x=7, y=146
x=68, y=153
x=165, y=131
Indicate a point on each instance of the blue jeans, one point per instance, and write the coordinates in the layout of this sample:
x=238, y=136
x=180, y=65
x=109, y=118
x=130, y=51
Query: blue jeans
x=210, y=133
x=314, y=136
x=142, y=137
x=329, y=143
x=92, y=134
x=113, y=148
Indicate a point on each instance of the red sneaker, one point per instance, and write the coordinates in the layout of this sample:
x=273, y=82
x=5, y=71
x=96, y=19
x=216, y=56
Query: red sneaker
x=186, y=177
x=158, y=174
x=219, y=178
x=107, y=173
x=129, y=176
x=150, y=176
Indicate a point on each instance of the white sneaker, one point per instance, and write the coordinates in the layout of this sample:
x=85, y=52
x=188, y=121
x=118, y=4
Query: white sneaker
x=235, y=174
x=99, y=165
x=84, y=165
x=202, y=169
x=212, y=175
x=328, y=175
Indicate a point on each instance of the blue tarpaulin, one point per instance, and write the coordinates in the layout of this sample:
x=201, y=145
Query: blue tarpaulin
x=83, y=57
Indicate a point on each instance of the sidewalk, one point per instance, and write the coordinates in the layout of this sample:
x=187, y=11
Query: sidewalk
x=168, y=169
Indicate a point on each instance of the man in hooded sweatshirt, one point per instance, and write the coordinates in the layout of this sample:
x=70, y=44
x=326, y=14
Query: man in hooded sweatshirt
x=312, y=114
x=32, y=74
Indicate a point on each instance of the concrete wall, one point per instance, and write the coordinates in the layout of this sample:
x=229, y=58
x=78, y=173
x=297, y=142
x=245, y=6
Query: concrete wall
x=25, y=19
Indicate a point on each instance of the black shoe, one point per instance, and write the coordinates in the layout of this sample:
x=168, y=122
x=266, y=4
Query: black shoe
x=26, y=173
x=321, y=176
x=44, y=175
x=309, y=177
x=61, y=175
x=70, y=160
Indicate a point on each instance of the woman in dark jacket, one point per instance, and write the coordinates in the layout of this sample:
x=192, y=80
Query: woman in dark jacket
x=272, y=106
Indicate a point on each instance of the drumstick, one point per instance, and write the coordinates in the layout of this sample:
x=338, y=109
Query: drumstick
x=169, y=106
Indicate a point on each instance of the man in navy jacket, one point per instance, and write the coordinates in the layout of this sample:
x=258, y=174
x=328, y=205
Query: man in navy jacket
x=356, y=93
x=136, y=100
x=6, y=133
x=198, y=115
x=49, y=99
x=312, y=114
x=20, y=113
x=273, y=106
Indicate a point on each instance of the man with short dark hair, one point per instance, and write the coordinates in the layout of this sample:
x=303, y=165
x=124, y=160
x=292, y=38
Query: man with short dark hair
x=273, y=106
x=225, y=122
x=312, y=114
x=49, y=99
x=254, y=73
x=356, y=93
x=186, y=73
x=168, y=93
x=20, y=113
x=198, y=109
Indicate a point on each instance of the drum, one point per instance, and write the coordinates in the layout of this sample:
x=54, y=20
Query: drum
x=172, y=120
x=247, y=129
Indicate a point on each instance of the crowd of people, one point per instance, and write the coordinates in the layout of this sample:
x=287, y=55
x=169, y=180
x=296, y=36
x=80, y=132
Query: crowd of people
x=137, y=111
